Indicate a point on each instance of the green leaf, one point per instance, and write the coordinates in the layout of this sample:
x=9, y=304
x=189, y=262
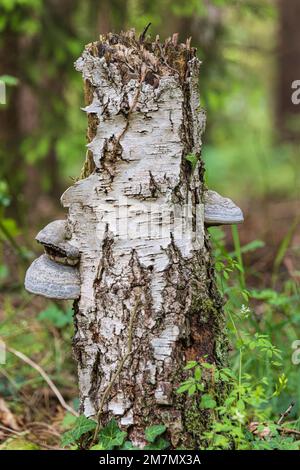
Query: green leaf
x=207, y=365
x=160, y=444
x=240, y=405
x=276, y=364
x=68, y=421
x=111, y=436
x=285, y=244
x=128, y=446
x=198, y=373
x=184, y=387
x=192, y=389
x=221, y=441
x=98, y=447
x=191, y=365
x=192, y=159
x=83, y=425
x=56, y=316
x=152, y=432
x=9, y=80
x=3, y=271
x=207, y=402
x=4, y=194
x=252, y=246
x=11, y=228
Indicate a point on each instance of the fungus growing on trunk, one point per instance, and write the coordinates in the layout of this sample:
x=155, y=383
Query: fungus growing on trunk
x=219, y=210
x=55, y=239
x=53, y=280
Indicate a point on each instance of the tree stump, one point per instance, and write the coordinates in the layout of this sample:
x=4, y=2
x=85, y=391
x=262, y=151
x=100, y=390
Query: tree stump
x=148, y=301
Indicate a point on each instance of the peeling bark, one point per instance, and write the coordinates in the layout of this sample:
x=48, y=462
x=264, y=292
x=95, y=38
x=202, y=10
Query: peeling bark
x=148, y=298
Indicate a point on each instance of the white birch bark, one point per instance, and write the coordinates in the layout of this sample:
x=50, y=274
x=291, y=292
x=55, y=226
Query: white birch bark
x=138, y=222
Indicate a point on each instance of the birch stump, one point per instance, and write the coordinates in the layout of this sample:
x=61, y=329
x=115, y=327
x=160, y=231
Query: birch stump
x=148, y=300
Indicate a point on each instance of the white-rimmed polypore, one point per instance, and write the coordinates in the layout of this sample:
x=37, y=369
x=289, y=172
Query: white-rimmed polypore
x=219, y=210
x=54, y=274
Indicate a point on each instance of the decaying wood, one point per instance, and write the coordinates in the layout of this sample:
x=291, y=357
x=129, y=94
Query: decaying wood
x=147, y=300
x=137, y=219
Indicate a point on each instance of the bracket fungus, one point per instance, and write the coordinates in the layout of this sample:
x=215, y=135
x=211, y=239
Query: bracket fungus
x=55, y=239
x=52, y=280
x=219, y=210
x=54, y=274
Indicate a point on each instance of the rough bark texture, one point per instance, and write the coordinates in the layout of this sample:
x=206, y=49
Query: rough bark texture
x=148, y=298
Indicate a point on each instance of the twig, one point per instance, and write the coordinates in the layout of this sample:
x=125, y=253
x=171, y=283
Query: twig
x=286, y=413
x=117, y=373
x=47, y=379
x=289, y=431
x=143, y=35
x=12, y=431
x=44, y=425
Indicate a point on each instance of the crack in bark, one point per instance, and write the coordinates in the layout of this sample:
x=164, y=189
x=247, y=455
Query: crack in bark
x=118, y=371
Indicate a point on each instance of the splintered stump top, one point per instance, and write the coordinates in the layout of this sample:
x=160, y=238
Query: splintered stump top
x=138, y=56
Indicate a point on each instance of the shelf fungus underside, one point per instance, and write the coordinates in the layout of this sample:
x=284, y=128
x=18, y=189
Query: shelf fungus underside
x=54, y=274
x=53, y=280
x=219, y=210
